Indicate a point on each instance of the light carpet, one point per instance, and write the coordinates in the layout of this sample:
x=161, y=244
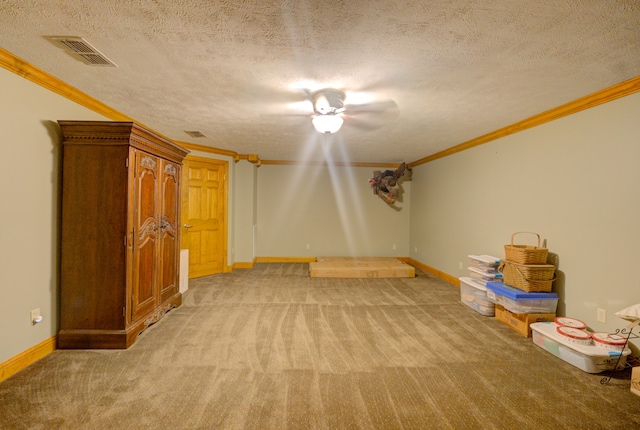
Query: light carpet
x=272, y=348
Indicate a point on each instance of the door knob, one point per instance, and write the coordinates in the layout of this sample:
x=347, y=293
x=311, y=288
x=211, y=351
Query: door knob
x=188, y=226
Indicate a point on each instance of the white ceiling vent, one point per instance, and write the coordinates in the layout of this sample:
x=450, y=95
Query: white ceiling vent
x=194, y=133
x=81, y=49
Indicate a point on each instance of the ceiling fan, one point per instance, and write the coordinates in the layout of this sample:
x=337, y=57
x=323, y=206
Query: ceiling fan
x=330, y=111
x=329, y=108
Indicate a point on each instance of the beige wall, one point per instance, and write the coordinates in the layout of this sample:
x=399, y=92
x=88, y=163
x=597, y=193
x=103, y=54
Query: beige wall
x=575, y=181
x=330, y=208
x=246, y=212
x=29, y=186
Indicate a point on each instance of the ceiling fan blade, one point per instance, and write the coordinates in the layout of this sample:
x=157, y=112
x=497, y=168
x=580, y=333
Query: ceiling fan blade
x=280, y=116
x=379, y=84
x=300, y=108
x=361, y=124
x=374, y=107
x=329, y=101
x=275, y=95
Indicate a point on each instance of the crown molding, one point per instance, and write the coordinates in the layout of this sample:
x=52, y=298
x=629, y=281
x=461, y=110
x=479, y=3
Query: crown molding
x=606, y=95
x=42, y=78
x=252, y=158
x=209, y=149
x=326, y=163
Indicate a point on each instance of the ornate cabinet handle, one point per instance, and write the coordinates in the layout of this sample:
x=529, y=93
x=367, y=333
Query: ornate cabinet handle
x=188, y=226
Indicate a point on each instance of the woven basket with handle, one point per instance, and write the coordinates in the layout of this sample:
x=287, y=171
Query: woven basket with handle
x=528, y=277
x=525, y=254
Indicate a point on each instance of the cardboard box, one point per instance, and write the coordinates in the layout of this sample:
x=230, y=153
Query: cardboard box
x=635, y=381
x=521, y=322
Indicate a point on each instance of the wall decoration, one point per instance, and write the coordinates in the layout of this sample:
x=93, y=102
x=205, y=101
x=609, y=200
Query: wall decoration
x=386, y=184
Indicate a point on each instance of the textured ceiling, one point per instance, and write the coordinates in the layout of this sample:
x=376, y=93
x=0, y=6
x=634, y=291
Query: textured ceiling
x=456, y=69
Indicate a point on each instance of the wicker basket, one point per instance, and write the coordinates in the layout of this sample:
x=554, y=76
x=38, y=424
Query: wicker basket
x=525, y=254
x=528, y=277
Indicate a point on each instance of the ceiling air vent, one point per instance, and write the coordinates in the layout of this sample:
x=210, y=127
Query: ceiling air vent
x=82, y=50
x=195, y=133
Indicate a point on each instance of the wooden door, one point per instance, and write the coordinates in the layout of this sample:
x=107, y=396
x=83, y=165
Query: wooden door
x=145, y=234
x=168, y=232
x=204, y=208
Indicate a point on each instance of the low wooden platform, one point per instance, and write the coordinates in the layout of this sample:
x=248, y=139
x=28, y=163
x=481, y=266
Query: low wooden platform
x=360, y=267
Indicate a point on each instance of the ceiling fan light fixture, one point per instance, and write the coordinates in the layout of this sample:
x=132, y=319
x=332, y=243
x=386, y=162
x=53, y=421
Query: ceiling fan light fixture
x=327, y=124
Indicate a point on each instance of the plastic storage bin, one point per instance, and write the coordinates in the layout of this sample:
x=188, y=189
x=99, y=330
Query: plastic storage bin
x=484, y=277
x=486, y=263
x=520, y=302
x=590, y=358
x=474, y=295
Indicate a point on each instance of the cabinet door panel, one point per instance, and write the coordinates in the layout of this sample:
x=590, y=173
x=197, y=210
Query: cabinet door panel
x=145, y=235
x=169, y=218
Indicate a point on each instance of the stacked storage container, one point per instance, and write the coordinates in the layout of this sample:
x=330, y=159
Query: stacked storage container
x=474, y=295
x=519, y=302
x=519, y=309
x=525, y=297
x=484, y=268
x=473, y=290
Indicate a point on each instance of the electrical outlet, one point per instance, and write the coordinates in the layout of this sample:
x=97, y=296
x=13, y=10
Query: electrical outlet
x=308, y=246
x=602, y=315
x=415, y=249
x=460, y=265
x=394, y=246
x=35, y=316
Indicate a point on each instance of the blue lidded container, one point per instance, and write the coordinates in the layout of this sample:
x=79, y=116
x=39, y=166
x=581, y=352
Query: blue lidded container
x=521, y=302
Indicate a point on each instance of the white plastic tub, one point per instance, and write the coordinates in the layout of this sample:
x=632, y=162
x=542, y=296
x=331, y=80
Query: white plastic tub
x=487, y=263
x=474, y=295
x=484, y=277
x=590, y=358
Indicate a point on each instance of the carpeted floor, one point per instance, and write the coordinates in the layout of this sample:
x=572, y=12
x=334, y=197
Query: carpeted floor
x=272, y=348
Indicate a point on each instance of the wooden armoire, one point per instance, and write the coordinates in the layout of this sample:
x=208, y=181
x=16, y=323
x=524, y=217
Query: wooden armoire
x=120, y=233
